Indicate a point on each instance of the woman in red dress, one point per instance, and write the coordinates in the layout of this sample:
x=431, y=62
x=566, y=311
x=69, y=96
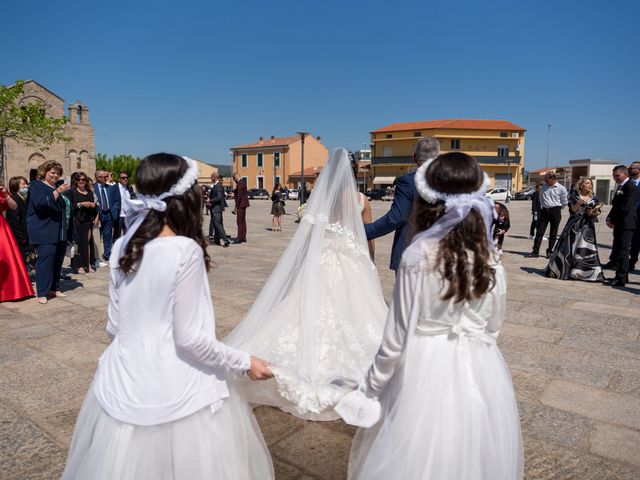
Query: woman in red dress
x=14, y=281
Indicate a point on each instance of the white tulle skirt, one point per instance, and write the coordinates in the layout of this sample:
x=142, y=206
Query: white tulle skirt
x=449, y=413
x=226, y=444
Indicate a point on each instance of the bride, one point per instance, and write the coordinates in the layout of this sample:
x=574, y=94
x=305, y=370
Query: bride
x=319, y=318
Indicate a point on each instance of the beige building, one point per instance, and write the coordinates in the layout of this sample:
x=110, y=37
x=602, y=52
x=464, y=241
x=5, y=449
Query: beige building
x=278, y=160
x=76, y=154
x=498, y=145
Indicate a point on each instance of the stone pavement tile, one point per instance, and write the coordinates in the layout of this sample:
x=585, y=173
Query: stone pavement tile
x=626, y=381
x=38, y=330
x=87, y=323
x=528, y=386
x=32, y=307
x=25, y=449
x=276, y=424
x=523, y=316
x=83, y=355
x=593, y=323
x=39, y=384
x=11, y=351
x=593, y=403
x=615, y=442
x=553, y=360
x=60, y=422
x=315, y=450
x=284, y=471
x=90, y=300
x=548, y=461
x=558, y=426
x=604, y=342
x=532, y=333
x=606, y=308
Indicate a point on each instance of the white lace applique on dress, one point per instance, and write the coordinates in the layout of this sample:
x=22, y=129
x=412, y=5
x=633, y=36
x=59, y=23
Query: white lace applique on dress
x=319, y=318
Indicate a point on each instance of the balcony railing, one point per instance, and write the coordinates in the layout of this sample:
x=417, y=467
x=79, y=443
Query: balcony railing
x=408, y=160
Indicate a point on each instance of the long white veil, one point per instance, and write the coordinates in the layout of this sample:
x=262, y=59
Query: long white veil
x=320, y=316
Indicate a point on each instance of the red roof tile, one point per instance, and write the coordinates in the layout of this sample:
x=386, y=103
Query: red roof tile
x=308, y=172
x=270, y=142
x=452, y=123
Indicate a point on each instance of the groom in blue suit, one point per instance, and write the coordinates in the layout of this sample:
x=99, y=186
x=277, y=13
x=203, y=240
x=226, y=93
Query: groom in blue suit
x=396, y=218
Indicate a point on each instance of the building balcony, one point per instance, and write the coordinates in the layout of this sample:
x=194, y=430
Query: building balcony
x=487, y=160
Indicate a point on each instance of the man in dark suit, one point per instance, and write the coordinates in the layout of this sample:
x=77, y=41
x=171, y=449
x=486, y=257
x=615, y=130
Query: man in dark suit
x=217, y=203
x=634, y=176
x=396, y=218
x=109, y=208
x=241, y=198
x=622, y=218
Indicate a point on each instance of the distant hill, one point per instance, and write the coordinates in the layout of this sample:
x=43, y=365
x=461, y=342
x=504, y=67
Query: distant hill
x=224, y=170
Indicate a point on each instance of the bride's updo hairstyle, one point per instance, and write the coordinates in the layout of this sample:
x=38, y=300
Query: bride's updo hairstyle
x=466, y=245
x=156, y=174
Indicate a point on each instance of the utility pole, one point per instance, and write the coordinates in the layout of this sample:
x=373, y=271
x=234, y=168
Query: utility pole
x=302, y=193
x=546, y=166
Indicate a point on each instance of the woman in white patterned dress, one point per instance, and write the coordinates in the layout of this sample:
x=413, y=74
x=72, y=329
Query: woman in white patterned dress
x=319, y=318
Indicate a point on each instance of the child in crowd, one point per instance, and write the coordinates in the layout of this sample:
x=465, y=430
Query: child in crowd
x=501, y=225
x=159, y=405
x=439, y=382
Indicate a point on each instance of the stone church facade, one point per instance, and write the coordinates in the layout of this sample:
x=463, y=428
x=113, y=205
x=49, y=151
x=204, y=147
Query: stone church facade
x=76, y=154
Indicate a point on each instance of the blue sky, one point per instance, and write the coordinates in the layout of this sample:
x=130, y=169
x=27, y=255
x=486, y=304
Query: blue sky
x=196, y=77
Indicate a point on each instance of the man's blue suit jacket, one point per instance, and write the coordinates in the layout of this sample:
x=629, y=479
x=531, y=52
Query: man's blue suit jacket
x=113, y=197
x=396, y=218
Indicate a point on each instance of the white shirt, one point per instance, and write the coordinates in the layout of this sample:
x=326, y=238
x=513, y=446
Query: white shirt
x=479, y=320
x=553, y=196
x=164, y=362
x=124, y=196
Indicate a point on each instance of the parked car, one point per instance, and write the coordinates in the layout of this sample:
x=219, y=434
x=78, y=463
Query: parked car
x=376, y=193
x=228, y=191
x=524, y=194
x=293, y=194
x=258, y=193
x=498, y=194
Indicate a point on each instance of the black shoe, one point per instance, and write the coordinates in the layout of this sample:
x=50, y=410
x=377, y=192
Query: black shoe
x=237, y=241
x=64, y=276
x=226, y=244
x=615, y=283
x=610, y=265
x=532, y=255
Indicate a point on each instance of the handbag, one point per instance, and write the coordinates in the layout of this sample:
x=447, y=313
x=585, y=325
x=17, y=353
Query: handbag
x=71, y=250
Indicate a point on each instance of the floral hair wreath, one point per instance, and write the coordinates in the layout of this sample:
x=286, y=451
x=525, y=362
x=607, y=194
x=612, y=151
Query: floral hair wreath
x=431, y=195
x=180, y=188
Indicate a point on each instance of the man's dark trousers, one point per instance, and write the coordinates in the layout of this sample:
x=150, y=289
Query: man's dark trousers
x=106, y=229
x=548, y=216
x=621, y=247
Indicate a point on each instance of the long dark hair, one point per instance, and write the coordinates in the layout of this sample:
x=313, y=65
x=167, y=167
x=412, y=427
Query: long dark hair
x=156, y=174
x=457, y=172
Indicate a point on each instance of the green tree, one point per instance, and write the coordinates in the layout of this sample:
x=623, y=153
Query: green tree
x=117, y=164
x=28, y=123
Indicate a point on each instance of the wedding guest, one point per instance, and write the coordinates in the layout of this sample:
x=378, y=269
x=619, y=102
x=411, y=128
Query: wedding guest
x=396, y=218
x=277, y=207
x=17, y=218
x=241, y=198
x=14, y=281
x=47, y=227
x=622, y=219
x=501, y=225
x=84, y=210
x=575, y=256
x=126, y=194
x=439, y=374
x=95, y=247
x=634, y=176
x=109, y=209
x=217, y=203
x=553, y=198
x=535, y=211
x=160, y=405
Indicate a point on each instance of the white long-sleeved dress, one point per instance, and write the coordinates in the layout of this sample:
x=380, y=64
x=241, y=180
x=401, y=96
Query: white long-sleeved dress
x=449, y=408
x=159, y=406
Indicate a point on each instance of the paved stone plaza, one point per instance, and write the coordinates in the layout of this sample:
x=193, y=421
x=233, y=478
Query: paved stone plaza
x=573, y=349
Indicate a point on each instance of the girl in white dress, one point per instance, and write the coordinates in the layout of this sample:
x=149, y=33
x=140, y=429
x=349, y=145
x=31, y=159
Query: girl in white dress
x=448, y=404
x=159, y=406
x=319, y=318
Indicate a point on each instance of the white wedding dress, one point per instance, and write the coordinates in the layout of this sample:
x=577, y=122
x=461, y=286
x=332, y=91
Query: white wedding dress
x=319, y=318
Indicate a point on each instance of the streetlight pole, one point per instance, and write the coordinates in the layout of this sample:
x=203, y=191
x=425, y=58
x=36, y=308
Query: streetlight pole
x=508, y=178
x=546, y=166
x=302, y=193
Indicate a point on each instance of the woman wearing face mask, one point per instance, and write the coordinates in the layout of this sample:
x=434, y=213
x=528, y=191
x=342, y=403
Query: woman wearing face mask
x=19, y=190
x=14, y=281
